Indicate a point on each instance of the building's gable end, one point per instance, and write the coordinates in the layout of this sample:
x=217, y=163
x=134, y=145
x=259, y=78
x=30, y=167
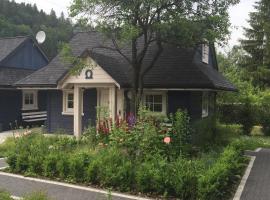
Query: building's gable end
x=26, y=56
x=93, y=74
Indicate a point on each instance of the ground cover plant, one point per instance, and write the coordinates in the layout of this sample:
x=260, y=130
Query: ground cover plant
x=32, y=196
x=147, y=157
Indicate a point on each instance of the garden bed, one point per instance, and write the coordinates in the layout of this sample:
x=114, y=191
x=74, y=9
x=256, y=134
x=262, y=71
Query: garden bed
x=71, y=161
x=146, y=159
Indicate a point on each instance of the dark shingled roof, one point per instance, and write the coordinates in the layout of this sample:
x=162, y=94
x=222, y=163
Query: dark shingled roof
x=8, y=75
x=8, y=45
x=175, y=68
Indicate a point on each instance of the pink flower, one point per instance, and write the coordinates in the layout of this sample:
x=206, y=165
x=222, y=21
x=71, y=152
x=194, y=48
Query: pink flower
x=167, y=140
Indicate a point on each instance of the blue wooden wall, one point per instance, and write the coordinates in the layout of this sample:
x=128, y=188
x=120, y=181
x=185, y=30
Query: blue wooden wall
x=11, y=107
x=58, y=122
x=190, y=101
x=27, y=56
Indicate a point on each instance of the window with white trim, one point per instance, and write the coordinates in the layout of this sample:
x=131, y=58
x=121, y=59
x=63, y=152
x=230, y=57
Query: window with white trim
x=68, y=102
x=155, y=102
x=30, y=99
x=205, y=53
x=205, y=104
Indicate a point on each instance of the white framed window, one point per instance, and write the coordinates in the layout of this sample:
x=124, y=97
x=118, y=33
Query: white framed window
x=156, y=102
x=30, y=100
x=68, y=102
x=205, y=104
x=205, y=53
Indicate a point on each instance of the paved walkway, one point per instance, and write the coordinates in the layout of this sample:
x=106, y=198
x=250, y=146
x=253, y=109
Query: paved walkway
x=257, y=186
x=5, y=135
x=18, y=186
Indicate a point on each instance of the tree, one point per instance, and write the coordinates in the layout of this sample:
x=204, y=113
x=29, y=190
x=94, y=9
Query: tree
x=155, y=22
x=257, y=44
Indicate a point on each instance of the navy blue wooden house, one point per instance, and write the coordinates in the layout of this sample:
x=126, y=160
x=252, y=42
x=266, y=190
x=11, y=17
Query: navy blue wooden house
x=19, y=57
x=181, y=78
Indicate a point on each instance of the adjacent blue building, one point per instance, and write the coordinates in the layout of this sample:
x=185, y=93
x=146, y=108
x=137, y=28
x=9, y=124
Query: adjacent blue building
x=19, y=57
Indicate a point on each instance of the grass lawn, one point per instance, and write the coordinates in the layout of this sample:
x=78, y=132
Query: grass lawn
x=33, y=196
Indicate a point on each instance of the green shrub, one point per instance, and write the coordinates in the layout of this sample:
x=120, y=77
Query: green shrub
x=216, y=182
x=115, y=170
x=62, y=166
x=152, y=175
x=50, y=165
x=6, y=146
x=183, y=179
x=180, y=133
x=226, y=133
x=78, y=163
x=246, y=114
x=204, y=132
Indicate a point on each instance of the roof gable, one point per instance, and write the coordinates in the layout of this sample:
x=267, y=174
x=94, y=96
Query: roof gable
x=97, y=75
x=9, y=45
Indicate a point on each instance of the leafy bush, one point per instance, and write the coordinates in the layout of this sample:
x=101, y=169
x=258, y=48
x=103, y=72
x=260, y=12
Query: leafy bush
x=184, y=178
x=215, y=183
x=50, y=165
x=137, y=159
x=8, y=144
x=247, y=114
x=181, y=133
x=151, y=175
x=78, y=163
x=115, y=169
x=62, y=166
x=204, y=132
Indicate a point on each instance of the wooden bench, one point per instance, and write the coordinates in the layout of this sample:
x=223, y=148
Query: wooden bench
x=34, y=116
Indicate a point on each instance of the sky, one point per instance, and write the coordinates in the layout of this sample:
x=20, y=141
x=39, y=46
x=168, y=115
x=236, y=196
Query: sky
x=239, y=15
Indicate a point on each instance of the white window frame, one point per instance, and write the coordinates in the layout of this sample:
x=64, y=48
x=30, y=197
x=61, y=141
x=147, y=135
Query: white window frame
x=205, y=104
x=164, y=100
x=33, y=106
x=66, y=110
x=205, y=53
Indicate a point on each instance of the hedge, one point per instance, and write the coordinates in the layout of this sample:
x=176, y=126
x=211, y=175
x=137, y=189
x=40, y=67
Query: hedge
x=112, y=168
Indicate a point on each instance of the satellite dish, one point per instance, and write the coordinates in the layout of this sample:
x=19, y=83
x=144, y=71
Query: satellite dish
x=40, y=37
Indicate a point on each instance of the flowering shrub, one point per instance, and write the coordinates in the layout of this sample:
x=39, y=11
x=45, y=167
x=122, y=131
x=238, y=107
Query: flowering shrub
x=146, y=134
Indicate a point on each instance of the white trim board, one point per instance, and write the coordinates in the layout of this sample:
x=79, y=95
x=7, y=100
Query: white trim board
x=116, y=194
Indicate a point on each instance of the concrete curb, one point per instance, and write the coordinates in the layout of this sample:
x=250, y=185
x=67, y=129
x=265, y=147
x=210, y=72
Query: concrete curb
x=115, y=194
x=242, y=184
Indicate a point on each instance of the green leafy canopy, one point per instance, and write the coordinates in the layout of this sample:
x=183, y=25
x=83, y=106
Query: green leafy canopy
x=185, y=22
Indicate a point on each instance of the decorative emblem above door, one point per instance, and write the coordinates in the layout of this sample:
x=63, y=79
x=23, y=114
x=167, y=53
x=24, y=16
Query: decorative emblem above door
x=89, y=74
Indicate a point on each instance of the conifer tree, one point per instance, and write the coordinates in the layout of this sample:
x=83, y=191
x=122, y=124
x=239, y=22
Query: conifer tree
x=257, y=44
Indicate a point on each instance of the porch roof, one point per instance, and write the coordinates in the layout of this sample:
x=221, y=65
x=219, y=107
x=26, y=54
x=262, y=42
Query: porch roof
x=9, y=75
x=175, y=68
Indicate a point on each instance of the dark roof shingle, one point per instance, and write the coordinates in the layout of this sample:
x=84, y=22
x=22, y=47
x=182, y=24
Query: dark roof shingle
x=175, y=67
x=8, y=75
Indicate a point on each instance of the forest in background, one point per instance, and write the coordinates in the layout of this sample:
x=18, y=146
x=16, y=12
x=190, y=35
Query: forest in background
x=26, y=19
